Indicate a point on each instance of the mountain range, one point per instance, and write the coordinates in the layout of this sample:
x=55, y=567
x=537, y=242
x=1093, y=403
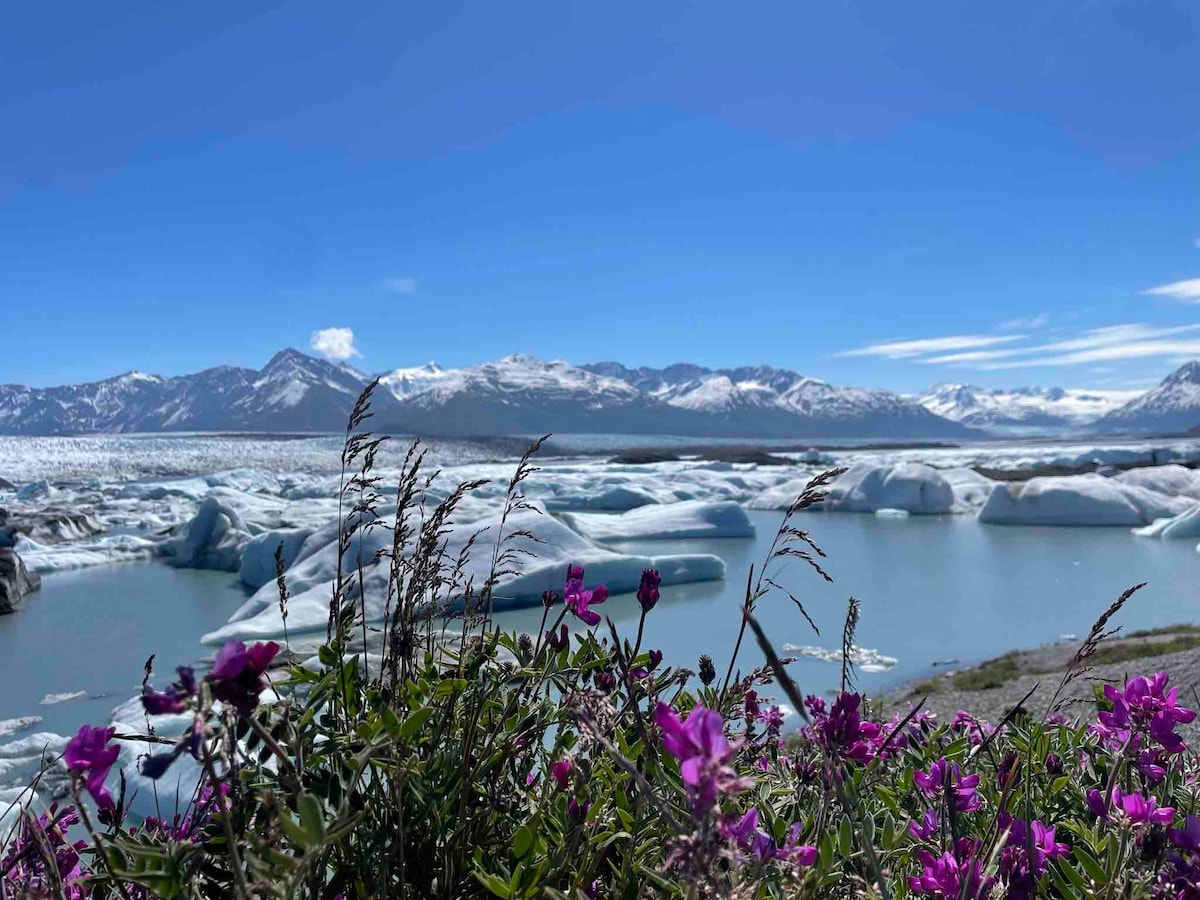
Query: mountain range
x=518, y=394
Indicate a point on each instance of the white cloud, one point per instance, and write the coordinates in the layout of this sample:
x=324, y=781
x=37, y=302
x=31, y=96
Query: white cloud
x=1187, y=290
x=1185, y=350
x=908, y=349
x=1097, y=344
x=334, y=343
x=401, y=284
x=1030, y=324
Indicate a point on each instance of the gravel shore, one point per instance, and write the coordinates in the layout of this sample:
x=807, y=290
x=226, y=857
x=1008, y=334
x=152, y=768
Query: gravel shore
x=1044, y=668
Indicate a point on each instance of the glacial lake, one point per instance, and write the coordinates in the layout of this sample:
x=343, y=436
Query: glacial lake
x=931, y=588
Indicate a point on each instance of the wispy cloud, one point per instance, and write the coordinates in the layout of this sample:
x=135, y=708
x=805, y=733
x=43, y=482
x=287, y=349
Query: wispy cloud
x=1196, y=242
x=909, y=349
x=1033, y=323
x=400, y=284
x=334, y=343
x=1188, y=290
x=1110, y=343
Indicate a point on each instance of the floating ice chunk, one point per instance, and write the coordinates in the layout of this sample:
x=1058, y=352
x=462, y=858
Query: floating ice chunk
x=813, y=457
x=866, y=659
x=189, y=488
x=970, y=488
x=1173, y=480
x=64, y=697
x=687, y=519
x=12, y=726
x=914, y=487
x=617, y=498
x=37, y=490
x=311, y=578
x=867, y=487
x=1077, y=500
x=33, y=745
x=1183, y=526
x=887, y=513
x=258, y=557
x=113, y=548
x=215, y=539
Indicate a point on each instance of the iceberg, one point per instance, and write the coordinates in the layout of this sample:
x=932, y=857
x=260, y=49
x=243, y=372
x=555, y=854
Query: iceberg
x=683, y=520
x=553, y=546
x=1183, y=526
x=914, y=487
x=1172, y=480
x=1078, y=500
x=258, y=557
x=215, y=539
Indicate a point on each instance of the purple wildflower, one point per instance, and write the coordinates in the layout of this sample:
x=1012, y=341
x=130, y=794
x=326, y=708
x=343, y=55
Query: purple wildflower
x=1020, y=870
x=941, y=774
x=578, y=598
x=928, y=827
x=844, y=730
x=752, y=707
x=647, y=592
x=236, y=675
x=89, y=754
x=558, y=642
x=950, y=876
x=704, y=753
x=1187, y=837
x=561, y=771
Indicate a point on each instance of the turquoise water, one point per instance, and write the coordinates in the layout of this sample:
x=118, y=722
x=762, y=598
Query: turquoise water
x=931, y=589
x=91, y=630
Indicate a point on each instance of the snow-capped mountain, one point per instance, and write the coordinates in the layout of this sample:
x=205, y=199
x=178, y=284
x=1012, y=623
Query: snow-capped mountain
x=768, y=402
x=406, y=382
x=1028, y=409
x=513, y=395
x=293, y=392
x=522, y=395
x=1173, y=406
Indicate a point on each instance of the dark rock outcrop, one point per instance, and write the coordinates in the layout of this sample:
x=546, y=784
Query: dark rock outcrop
x=15, y=581
x=46, y=526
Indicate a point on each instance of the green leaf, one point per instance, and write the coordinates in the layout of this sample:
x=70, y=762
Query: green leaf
x=522, y=842
x=311, y=819
x=1091, y=866
x=845, y=836
x=415, y=722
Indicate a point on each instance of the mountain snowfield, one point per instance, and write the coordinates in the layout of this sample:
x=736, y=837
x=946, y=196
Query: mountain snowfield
x=521, y=395
x=1017, y=410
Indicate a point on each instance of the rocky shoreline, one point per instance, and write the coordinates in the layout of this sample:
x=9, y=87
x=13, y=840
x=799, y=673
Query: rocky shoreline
x=992, y=688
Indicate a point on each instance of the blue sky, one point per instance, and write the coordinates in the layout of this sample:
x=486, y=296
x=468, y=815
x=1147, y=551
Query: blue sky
x=806, y=185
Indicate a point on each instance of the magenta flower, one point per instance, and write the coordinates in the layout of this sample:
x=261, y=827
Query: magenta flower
x=174, y=698
x=815, y=705
x=1020, y=870
x=704, y=753
x=578, y=598
x=946, y=876
x=844, y=731
x=773, y=719
x=751, y=705
x=1145, y=706
x=927, y=828
x=1187, y=837
x=742, y=831
x=647, y=592
x=236, y=675
x=561, y=771
x=794, y=852
x=558, y=642
x=1142, y=810
x=963, y=788
x=89, y=754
